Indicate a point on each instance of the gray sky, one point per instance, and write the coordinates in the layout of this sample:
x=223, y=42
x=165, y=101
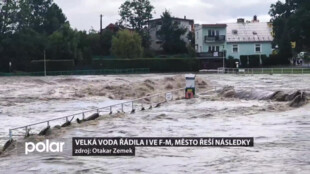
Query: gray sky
x=84, y=14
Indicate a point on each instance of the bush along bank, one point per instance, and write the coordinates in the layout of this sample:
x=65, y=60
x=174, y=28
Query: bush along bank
x=252, y=61
x=154, y=64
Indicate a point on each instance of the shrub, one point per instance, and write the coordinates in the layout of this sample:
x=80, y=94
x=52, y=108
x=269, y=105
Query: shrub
x=274, y=60
x=127, y=44
x=231, y=62
x=244, y=61
x=254, y=61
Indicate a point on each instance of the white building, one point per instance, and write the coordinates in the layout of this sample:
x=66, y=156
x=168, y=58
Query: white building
x=234, y=39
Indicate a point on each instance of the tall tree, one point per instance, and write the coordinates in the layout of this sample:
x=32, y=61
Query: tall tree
x=54, y=19
x=127, y=44
x=8, y=16
x=63, y=44
x=106, y=42
x=291, y=23
x=43, y=16
x=135, y=14
x=170, y=33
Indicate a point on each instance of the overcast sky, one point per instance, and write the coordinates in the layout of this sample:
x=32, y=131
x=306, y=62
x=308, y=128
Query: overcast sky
x=84, y=14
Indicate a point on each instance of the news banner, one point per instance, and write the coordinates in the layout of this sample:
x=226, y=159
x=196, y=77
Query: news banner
x=122, y=146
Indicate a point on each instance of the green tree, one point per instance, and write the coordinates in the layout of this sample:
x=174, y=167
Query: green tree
x=127, y=44
x=43, y=16
x=8, y=16
x=291, y=23
x=170, y=33
x=106, y=42
x=135, y=14
x=54, y=19
x=63, y=44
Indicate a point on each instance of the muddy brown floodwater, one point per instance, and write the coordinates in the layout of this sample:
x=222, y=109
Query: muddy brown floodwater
x=281, y=133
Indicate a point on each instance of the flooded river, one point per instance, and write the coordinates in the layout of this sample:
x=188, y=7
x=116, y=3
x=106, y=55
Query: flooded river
x=281, y=134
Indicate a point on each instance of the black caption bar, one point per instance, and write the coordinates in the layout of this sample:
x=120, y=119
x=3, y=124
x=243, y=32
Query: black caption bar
x=122, y=146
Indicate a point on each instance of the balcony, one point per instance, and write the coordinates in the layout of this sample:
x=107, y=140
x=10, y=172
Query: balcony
x=219, y=38
x=210, y=55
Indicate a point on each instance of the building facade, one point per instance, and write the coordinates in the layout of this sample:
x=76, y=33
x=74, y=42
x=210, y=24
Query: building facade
x=155, y=25
x=234, y=39
x=210, y=39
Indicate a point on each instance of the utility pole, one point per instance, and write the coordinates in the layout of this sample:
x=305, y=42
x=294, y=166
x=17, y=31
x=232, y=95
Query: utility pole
x=44, y=64
x=101, y=24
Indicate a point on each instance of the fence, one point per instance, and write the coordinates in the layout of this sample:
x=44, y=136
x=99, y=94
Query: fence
x=82, y=72
x=264, y=70
x=151, y=100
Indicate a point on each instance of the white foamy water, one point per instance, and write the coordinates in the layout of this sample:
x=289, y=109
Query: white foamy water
x=281, y=137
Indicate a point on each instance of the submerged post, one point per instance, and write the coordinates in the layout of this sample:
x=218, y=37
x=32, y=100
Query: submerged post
x=10, y=134
x=190, y=86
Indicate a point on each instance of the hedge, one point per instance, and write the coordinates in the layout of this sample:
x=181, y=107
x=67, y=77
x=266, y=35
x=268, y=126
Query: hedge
x=231, y=62
x=154, y=64
x=252, y=61
x=273, y=60
x=51, y=65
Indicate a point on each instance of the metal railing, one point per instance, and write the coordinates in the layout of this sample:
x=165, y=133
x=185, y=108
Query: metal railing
x=215, y=54
x=108, y=109
x=219, y=38
x=264, y=70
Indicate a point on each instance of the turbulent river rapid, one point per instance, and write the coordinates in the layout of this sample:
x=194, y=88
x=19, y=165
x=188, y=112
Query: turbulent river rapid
x=281, y=133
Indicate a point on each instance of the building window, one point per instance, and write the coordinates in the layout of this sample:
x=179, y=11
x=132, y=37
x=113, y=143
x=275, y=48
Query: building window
x=217, y=32
x=235, y=48
x=258, y=48
x=212, y=33
x=197, y=35
x=211, y=49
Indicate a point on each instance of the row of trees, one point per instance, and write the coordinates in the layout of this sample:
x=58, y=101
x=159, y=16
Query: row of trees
x=30, y=28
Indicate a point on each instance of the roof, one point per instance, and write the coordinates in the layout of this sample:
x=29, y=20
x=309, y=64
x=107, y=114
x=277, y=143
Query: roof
x=176, y=19
x=214, y=25
x=249, y=32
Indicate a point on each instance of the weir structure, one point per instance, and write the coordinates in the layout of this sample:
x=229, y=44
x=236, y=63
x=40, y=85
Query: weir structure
x=133, y=104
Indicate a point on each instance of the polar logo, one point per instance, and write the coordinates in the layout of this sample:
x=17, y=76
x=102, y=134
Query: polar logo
x=46, y=146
